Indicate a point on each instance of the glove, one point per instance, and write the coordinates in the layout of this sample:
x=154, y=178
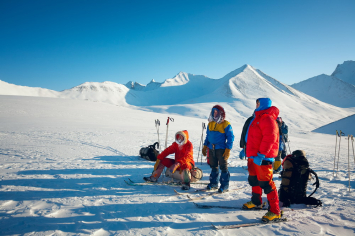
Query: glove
x=259, y=159
x=242, y=154
x=226, y=153
x=173, y=168
x=204, y=150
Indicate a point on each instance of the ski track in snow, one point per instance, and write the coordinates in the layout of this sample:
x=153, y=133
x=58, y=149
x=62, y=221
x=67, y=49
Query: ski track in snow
x=64, y=176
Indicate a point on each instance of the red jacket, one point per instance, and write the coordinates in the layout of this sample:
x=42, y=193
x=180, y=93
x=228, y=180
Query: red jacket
x=183, y=153
x=263, y=134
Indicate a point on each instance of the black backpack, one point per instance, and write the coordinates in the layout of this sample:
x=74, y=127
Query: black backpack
x=296, y=191
x=150, y=153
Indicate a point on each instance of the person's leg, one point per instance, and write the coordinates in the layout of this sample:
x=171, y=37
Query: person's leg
x=214, y=170
x=265, y=175
x=277, y=163
x=156, y=174
x=223, y=165
x=186, y=179
x=256, y=199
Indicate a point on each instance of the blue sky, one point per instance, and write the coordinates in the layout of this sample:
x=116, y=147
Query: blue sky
x=61, y=44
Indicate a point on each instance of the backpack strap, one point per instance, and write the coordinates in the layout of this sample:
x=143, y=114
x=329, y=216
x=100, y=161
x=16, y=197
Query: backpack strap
x=316, y=183
x=155, y=144
x=312, y=201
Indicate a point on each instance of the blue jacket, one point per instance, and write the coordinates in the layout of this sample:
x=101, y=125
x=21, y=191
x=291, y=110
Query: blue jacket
x=221, y=135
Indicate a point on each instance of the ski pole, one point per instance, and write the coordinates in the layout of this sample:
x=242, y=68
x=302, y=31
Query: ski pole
x=203, y=128
x=166, y=141
x=167, y=130
x=352, y=140
x=340, y=133
x=349, y=159
x=335, y=157
x=157, y=124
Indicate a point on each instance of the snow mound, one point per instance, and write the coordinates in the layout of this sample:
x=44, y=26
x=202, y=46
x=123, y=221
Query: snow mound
x=12, y=89
x=346, y=125
x=108, y=92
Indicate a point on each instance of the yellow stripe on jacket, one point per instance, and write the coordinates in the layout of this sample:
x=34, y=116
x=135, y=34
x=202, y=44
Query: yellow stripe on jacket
x=213, y=126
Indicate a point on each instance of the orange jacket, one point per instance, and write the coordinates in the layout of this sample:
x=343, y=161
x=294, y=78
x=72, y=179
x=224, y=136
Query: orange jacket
x=183, y=153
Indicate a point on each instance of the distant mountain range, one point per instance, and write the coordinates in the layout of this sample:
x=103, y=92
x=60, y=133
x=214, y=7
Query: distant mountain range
x=337, y=89
x=193, y=95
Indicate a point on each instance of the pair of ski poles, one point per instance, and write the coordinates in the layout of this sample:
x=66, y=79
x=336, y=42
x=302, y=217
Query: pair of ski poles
x=157, y=125
x=350, y=138
x=201, y=142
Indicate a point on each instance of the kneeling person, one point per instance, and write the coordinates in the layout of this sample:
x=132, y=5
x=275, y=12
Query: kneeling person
x=183, y=162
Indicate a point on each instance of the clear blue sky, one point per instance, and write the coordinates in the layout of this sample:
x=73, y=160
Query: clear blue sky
x=58, y=44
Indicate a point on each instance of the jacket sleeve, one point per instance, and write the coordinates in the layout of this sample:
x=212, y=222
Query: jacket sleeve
x=230, y=136
x=169, y=150
x=270, y=135
x=206, y=142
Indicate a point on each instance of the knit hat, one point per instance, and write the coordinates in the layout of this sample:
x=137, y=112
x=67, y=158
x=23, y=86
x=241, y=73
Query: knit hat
x=299, y=153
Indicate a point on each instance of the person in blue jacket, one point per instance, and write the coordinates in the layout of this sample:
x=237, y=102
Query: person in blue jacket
x=218, y=142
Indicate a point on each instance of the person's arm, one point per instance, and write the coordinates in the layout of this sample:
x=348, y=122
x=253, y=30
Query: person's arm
x=230, y=136
x=284, y=129
x=169, y=150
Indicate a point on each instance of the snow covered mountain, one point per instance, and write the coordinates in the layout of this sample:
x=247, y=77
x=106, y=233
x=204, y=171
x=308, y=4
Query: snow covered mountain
x=346, y=72
x=329, y=89
x=12, y=89
x=337, y=89
x=194, y=95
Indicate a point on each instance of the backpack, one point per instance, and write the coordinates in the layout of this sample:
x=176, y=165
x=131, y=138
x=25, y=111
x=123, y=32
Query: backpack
x=149, y=153
x=295, y=177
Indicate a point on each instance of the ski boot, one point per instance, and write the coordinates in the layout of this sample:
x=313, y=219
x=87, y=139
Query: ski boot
x=185, y=186
x=224, y=180
x=150, y=179
x=213, y=180
x=270, y=216
x=251, y=206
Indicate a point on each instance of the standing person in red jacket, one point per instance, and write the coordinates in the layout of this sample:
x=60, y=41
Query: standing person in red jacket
x=262, y=147
x=183, y=162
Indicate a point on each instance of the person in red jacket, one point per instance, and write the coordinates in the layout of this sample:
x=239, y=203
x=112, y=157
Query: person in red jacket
x=262, y=147
x=183, y=162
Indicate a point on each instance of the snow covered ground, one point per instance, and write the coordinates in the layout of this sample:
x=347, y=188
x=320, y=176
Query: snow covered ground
x=63, y=163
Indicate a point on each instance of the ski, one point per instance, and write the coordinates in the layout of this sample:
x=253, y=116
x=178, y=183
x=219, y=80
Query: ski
x=195, y=191
x=211, y=194
x=236, y=226
x=149, y=183
x=230, y=207
x=133, y=183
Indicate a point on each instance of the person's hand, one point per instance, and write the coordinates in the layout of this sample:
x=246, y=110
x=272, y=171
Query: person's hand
x=174, y=167
x=259, y=159
x=204, y=150
x=226, y=153
x=242, y=154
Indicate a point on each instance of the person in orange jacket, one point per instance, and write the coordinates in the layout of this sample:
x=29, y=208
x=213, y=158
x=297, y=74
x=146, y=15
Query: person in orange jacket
x=183, y=162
